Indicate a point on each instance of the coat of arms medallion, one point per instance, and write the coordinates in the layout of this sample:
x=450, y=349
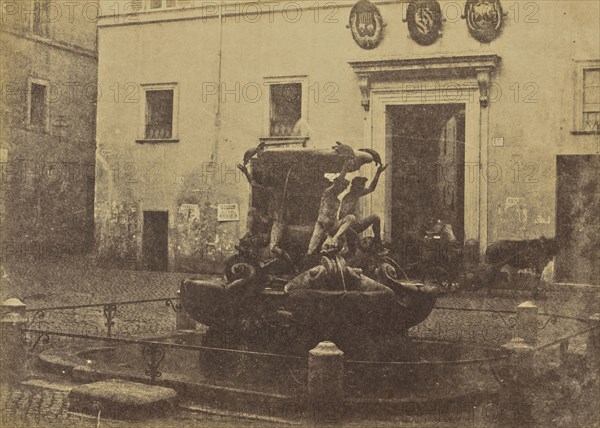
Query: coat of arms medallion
x=424, y=19
x=366, y=24
x=484, y=19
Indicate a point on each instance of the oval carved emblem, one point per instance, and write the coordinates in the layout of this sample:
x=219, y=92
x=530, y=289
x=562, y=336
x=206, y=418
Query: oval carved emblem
x=366, y=24
x=484, y=19
x=424, y=18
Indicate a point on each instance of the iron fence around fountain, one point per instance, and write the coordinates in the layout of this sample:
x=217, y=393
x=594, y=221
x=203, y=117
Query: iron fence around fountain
x=558, y=350
x=151, y=353
x=110, y=319
x=153, y=350
x=479, y=366
x=493, y=328
x=65, y=328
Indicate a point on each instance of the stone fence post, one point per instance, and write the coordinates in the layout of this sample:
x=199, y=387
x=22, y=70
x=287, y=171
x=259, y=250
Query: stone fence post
x=325, y=383
x=183, y=320
x=515, y=400
x=527, y=323
x=13, y=355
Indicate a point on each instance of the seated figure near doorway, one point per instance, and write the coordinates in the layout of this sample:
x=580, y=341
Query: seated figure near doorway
x=349, y=206
x=441, y=244
x=442, y=229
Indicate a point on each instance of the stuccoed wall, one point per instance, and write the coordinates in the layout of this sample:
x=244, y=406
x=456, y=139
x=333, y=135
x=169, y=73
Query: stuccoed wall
x=531, y=109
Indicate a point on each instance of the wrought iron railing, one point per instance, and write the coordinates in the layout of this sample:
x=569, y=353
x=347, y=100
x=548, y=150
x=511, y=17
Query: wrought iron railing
x=153, y=352
x=158, y=131
x=109, y=311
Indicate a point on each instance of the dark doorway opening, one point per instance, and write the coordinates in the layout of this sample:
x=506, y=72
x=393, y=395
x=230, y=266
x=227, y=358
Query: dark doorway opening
x=427, y=143
x=577, y=220
x=155, y=240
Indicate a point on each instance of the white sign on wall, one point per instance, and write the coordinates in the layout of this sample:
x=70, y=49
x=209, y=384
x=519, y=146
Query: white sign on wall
x=228, y=212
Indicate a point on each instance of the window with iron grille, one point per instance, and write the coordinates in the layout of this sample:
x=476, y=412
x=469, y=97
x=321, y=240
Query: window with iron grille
x=587, y=97
x=159, y=114
x=591, y=100
x=285, y=109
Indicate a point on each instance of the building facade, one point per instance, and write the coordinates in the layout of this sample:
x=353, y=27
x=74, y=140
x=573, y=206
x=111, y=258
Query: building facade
x=48, y=70
x=479, y=122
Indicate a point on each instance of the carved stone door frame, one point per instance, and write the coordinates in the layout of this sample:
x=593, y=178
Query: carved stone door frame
x=434, y=80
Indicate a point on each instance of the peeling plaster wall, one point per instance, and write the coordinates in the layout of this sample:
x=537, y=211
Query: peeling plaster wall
x=202, y=244
x=119, y=226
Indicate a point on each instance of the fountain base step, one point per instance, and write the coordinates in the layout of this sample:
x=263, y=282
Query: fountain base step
x=119, y=399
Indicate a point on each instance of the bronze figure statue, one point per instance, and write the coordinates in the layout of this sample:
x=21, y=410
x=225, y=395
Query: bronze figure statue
x=350, y=205
x=271, y=215
x=328, y=222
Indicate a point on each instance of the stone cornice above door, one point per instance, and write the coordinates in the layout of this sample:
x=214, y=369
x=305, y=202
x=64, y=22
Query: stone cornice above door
x=477, y=67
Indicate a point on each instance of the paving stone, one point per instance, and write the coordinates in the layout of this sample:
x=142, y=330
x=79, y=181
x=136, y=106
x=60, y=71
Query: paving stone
x=119, y=399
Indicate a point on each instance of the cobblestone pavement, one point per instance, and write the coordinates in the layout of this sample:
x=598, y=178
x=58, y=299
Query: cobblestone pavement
x=46, y=405
x=43, y=401
x=76, y=281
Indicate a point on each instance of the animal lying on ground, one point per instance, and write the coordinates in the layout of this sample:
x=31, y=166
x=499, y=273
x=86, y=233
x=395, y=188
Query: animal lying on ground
x=532, y=254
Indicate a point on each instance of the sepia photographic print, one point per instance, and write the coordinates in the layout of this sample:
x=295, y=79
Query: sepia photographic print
x=358, y=213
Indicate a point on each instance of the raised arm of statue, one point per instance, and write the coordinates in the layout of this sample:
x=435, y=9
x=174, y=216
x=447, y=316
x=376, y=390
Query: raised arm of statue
x=244, y=170
x=252, y=181
x=375, y=180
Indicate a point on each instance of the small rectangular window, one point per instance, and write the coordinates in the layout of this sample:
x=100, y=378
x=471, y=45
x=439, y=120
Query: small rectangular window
x=159, y=114
x=37, y=106
x=591, y=99
x=39, y=24
x=587, y=97
x=286, y=108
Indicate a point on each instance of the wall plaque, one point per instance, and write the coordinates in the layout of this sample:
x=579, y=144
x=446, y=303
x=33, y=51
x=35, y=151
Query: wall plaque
x=424, y=18
x=484, y=19
x=228, y=212
x=366, y=24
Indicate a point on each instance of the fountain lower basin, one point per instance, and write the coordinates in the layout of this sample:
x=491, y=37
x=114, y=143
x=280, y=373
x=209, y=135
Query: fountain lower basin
x=237, y=376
